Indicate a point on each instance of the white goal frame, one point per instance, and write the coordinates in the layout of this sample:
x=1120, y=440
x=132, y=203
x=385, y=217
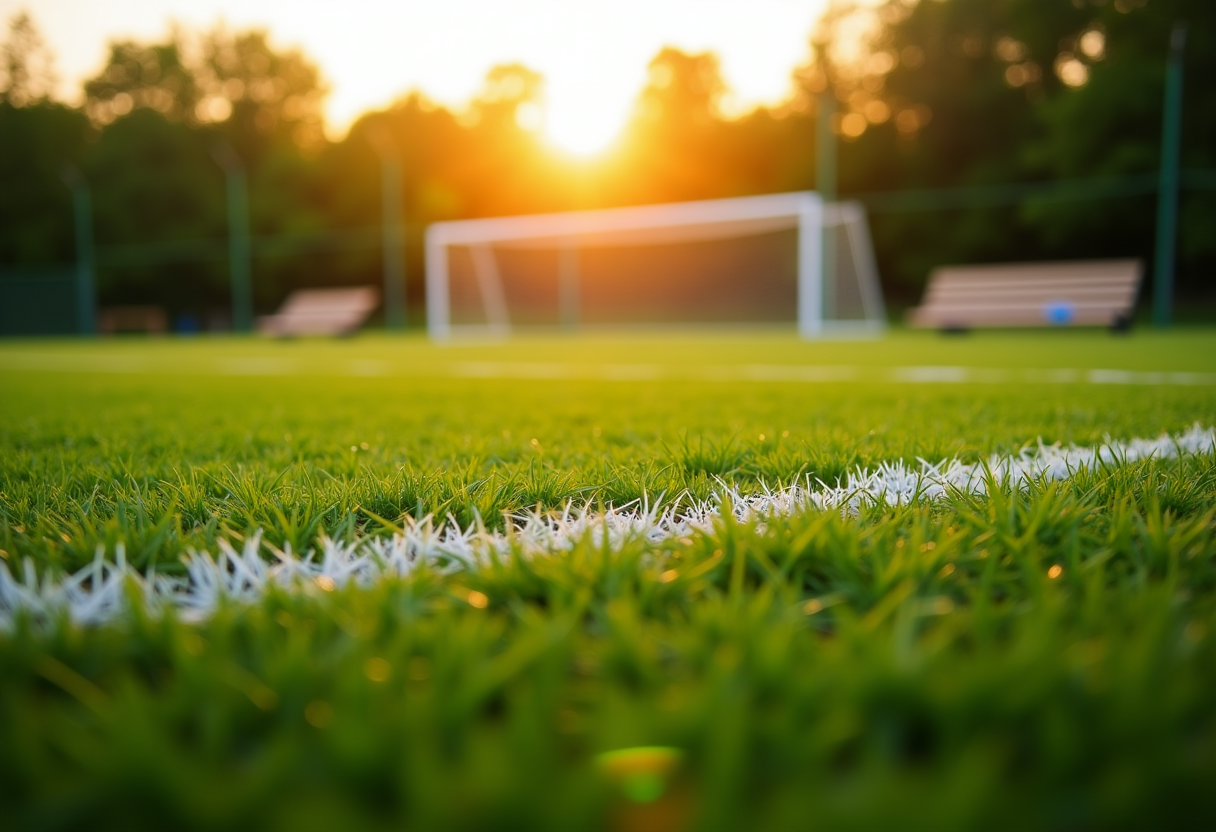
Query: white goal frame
x=664, y=223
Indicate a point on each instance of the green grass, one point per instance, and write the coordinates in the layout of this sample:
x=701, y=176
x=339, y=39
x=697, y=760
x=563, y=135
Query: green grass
x=913, y=667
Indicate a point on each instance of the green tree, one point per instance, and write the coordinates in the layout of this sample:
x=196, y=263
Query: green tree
x=675, y=138
x=153, y=76
x=1105, y=120
x=26, y=63
x=158, y=201
x=36, y=142
x=161, y=116
x=501, y=173
x=972, y=93
x=263, y=96
x=684, y=91
x=38, y=137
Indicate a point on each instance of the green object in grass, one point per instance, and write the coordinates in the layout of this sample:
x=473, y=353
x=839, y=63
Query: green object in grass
x=643, y=772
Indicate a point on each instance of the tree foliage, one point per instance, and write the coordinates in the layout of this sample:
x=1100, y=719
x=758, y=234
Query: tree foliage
x=27, y=64
x=152, y=76
x=962, y=94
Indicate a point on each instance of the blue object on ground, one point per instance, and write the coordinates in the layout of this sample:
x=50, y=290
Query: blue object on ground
x=1059, y=312
x=186, y=324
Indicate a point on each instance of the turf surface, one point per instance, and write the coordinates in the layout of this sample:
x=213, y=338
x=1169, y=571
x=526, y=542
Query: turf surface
x=1039, y=657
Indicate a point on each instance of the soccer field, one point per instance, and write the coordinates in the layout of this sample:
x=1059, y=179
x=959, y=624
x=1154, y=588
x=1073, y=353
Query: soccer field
x=528, y=554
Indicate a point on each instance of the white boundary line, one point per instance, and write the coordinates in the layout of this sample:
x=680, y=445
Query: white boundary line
x=100, y=592
x=552, y=370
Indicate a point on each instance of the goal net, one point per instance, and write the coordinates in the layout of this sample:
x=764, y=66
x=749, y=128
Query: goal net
x=763, y=260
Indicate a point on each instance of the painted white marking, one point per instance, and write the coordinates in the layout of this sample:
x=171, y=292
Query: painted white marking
x=931, y=375
x=369, y=367
x=99, y=593
x=73, y=362
x=254, y=365
x=1055, y=376
x=257, y=366
x=1111, y=377
x=1192, y=378
x=632, y=372
x=791, y=372
x=517, y=370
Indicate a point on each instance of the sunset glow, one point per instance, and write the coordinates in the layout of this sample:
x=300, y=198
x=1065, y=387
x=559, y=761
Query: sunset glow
x=592, y=54
x=577, y=121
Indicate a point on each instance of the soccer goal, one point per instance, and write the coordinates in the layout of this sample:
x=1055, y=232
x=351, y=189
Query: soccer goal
x=761, y=260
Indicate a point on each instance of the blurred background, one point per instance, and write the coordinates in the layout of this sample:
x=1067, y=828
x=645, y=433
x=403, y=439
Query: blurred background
x=972, y=131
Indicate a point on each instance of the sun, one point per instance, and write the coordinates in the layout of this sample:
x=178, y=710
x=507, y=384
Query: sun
x=585, y=119
x=582, y=133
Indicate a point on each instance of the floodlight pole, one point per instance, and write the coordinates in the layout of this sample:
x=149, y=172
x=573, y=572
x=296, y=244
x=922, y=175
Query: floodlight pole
x=239, y=270
x=825, y=184
x=82, y=221
x=1167, y=187
x=392, y=228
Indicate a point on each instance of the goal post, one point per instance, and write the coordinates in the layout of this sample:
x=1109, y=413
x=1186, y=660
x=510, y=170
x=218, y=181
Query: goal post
x=746, y=260
x=852, y=297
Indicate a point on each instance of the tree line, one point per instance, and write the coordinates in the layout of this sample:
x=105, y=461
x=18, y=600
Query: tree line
x=969, y=96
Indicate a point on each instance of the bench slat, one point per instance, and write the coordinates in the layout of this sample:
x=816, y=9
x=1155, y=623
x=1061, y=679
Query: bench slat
x=996, y=293
x=322, y=311
x=1077, y=268
x=992, y=317
x=1029, y=294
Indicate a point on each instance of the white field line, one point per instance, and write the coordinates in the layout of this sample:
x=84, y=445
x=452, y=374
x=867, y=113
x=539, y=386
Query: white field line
x=101, y=592
x=264, y=365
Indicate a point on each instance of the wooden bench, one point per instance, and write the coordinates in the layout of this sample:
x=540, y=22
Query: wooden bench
x=1077, y=293
x=322, y=312
x=112, y=320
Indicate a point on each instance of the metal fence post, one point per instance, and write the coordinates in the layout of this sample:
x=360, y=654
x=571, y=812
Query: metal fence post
x=1167, y=189
x=82, y=221
x=825, y=184
x=239, y=268
x=392, y=228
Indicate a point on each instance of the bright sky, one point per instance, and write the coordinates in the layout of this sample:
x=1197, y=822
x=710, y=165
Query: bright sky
x=592, y=53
